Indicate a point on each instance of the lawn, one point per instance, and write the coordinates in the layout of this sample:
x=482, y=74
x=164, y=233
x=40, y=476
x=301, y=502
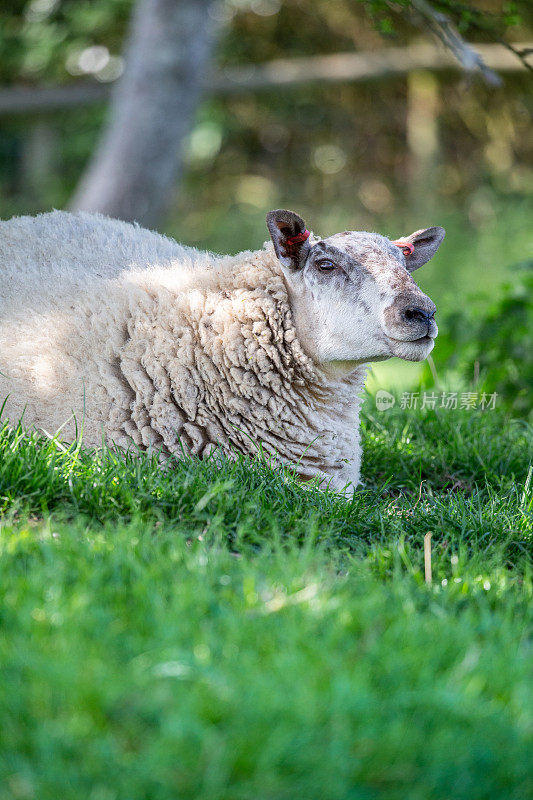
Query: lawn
x=217, y=631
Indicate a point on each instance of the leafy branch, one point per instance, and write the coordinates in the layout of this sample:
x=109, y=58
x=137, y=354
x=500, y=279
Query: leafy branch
x=449, y=21
x=443, y=28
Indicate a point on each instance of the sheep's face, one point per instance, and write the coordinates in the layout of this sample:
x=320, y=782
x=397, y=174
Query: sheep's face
x=352, y=294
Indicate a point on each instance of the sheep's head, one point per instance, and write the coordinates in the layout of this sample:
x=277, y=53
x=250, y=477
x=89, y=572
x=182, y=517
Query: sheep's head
x=352, y=294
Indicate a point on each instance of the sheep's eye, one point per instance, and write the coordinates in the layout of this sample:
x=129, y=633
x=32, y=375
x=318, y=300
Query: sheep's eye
x=325, y=265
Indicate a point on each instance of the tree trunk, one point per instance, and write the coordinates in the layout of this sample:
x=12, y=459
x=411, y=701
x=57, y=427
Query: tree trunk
x=136, y=166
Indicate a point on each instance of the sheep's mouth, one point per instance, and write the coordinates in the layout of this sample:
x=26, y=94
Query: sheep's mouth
x=429, y=331
x=422, y=340
x=412, y=349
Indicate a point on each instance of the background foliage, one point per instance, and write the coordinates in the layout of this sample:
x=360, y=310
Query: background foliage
x=492, y=349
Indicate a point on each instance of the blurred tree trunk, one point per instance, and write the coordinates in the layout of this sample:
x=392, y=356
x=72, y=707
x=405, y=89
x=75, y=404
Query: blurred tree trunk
x=137, y=164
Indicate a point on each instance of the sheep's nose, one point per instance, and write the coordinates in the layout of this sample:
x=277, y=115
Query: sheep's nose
x=410, y=316
x=418, y=314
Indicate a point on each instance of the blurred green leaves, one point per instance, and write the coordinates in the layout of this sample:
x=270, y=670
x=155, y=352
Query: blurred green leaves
x=493, y=346
x=38, y=37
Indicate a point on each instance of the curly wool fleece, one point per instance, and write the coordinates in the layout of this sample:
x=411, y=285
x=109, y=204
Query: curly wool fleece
x=128, y=336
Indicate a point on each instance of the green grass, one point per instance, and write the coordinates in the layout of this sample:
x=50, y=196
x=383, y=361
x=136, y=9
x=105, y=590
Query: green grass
x=218, y=631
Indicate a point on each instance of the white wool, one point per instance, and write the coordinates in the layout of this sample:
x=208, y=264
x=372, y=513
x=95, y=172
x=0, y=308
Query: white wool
x=124, y=334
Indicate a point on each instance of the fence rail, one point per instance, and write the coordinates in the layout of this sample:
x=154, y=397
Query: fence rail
x=282, y=73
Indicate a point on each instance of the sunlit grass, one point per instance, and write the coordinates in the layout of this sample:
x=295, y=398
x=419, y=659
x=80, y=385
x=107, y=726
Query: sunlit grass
x=216, y=630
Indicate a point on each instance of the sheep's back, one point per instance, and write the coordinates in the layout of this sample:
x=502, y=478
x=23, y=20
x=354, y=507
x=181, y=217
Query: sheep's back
x=46, y=258
x=64, y=289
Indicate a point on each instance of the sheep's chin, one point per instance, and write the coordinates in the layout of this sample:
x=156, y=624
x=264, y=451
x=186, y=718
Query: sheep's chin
x=417, y=350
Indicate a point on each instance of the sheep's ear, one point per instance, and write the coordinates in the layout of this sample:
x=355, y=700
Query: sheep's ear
x=423, y=246
x=289, y=236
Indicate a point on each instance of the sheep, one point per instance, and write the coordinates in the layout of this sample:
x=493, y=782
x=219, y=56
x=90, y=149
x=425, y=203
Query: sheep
x=129, y=337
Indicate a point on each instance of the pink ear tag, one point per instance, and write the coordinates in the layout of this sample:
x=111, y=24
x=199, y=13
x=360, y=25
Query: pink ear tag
x=300, y=237
x=407, y=248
